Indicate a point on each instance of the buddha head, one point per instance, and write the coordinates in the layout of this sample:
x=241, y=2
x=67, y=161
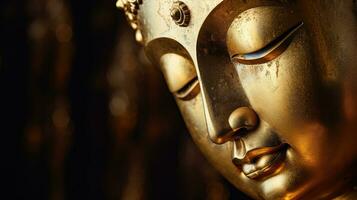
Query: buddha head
x=267, y=88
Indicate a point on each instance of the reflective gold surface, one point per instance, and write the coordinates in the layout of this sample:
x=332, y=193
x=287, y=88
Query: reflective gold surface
x=276, y=110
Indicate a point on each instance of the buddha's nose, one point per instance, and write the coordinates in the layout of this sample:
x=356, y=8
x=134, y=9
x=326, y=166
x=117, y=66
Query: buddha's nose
x=241, y=121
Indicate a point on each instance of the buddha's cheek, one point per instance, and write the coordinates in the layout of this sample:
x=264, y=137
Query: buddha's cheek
x=282, y=91
x=193, y=114
x=218, y=155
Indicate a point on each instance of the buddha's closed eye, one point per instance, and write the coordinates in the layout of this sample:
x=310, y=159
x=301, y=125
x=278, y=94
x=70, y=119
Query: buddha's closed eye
x=270, y=51
x=180, y=75
x=189, y=91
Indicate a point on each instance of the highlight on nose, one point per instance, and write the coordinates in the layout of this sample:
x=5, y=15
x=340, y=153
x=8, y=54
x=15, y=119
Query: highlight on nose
x=240, y=121
x=243, y=118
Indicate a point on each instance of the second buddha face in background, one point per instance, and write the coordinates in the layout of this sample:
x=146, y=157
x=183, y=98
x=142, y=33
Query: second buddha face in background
x=267, y=89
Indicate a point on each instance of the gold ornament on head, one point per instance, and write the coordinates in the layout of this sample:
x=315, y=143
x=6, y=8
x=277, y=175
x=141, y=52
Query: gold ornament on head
x=131, y=8
x=180, y=13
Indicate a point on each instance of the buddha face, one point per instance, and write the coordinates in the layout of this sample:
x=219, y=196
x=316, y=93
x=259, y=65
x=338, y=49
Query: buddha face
x=267, y=88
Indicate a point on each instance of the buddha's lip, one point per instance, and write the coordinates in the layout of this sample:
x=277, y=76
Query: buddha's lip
x=259, y=152
x=262, y=161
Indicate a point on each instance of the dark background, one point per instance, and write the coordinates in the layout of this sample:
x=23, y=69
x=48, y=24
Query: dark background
x=84, y=114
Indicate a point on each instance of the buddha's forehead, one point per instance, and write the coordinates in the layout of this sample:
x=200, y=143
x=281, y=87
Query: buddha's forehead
x=156, y=22
x=208, y=16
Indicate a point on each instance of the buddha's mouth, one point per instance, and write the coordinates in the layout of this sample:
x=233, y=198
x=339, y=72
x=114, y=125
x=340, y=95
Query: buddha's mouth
x=262, y=162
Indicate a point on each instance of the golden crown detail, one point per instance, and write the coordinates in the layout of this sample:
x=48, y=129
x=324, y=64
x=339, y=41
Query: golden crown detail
x=179, y=13
x=131, y=8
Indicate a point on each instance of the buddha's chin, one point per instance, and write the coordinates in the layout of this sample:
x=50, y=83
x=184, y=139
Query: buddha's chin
x=293, y=181
x=283, y=187
x=289, y=182
x=280, y=187
x=283, y=183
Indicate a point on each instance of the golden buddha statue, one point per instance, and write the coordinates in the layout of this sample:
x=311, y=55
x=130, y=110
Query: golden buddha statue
x=267, y=88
